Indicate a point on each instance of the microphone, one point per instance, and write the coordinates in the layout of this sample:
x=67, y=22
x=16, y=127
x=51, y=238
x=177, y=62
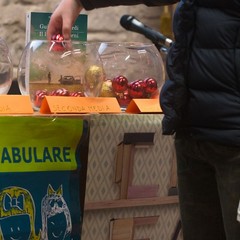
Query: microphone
x=133, y=24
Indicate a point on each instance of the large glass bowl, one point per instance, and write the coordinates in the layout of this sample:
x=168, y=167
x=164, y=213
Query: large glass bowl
x=133, y=70
x=6, y=68
x=63, y=68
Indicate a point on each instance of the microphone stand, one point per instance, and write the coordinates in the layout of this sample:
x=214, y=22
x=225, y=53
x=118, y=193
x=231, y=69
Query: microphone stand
x=162, y=48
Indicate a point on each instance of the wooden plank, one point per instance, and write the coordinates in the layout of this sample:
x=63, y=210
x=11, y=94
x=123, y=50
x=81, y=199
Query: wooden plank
x=143, y=191
x=127, y=156
x=118, y=163
x=122, y=229
x=131, y=166
x=125, y=203
x=173, y=190
x=145, y=220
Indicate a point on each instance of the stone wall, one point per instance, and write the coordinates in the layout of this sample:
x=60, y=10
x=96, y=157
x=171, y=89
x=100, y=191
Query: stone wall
x=103, y=24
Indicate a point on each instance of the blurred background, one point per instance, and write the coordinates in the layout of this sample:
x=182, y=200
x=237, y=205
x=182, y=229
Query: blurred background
x=103, y=24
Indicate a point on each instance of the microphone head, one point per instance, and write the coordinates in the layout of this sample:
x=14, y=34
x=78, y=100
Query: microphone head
x=126, y=21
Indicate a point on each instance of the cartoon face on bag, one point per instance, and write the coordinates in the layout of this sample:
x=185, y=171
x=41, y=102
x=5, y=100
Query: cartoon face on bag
x=56, y=219
x=17, y=214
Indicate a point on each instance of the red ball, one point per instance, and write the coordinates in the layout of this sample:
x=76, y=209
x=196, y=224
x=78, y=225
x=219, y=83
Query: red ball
x=57, y=46
x=39, y=96
x=136, y=90
x=142, y=82
x=57, y=43
x=60, y=92
x=57, y=37
x=151, y=85
x=124, y=99
x=77, y=94
x=119, y=84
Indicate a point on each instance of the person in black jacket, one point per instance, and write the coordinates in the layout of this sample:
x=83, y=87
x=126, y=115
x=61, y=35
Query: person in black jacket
x=201, y=105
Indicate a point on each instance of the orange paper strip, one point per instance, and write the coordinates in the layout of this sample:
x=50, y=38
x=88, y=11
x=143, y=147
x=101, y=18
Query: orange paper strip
x=15, y=104
x=144, y=106
x=60, y=104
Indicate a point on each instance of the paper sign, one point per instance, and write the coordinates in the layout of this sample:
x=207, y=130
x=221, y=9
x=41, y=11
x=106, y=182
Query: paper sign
x=144, y=106
x=43, y=164
x=39, y=144
x=15, y=104
x=60, y=104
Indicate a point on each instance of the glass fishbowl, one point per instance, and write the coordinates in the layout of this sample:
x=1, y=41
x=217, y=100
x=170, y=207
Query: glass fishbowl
x=60, y=68
x=6, y=68
x=133, y=70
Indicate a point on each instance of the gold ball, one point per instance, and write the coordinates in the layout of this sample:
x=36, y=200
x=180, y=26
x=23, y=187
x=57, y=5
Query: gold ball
x=94, y=76
x=107, y=89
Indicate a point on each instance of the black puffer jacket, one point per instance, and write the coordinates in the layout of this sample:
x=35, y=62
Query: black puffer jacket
x=202, y=96
x=91, y=4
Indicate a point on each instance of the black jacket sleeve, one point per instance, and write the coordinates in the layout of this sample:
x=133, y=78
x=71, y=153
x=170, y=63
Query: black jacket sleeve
x=91, y=4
